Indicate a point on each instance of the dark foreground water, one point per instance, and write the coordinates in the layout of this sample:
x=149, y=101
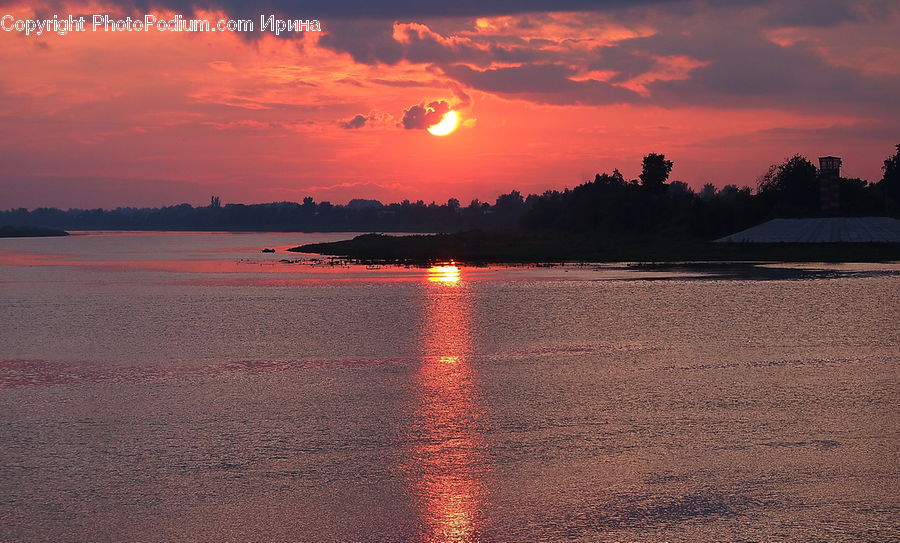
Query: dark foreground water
x=186, y=387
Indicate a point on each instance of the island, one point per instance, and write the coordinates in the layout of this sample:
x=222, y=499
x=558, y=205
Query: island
x=497, y=247
x=799, y=213
x=9, y=231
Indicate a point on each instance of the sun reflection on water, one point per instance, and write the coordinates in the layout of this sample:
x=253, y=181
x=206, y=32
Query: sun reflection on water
x=450, y=483
x=447, y=274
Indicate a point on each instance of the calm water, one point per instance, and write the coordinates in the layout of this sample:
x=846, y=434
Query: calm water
x=186, y=387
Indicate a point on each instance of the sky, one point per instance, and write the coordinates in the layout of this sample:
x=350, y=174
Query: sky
x=547, y=94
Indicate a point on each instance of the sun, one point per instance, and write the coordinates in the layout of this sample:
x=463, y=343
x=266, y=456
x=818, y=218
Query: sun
x=447, y=124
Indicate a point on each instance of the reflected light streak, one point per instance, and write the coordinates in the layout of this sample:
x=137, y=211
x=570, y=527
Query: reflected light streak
x=450, y=484
x=444, y=274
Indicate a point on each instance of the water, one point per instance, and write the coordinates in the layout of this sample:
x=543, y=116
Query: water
x=186, y=387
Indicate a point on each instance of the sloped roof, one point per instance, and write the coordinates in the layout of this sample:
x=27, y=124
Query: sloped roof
x=825, y=230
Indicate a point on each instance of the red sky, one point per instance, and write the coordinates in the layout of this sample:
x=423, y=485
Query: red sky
x=548, y=98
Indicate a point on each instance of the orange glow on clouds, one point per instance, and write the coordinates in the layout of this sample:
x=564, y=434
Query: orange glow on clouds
x=124, y=118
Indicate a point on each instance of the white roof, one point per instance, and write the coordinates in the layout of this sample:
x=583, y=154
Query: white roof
x=826, y=230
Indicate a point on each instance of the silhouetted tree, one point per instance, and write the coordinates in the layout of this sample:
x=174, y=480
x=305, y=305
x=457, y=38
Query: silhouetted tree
x=680, y=189
x=616, y=179
x=509, y=202
x=792, y=187
x=655, y=170
x=607, y=206
x=708, y=192
x=730, y=193
x=890, y=182
x=856, y=197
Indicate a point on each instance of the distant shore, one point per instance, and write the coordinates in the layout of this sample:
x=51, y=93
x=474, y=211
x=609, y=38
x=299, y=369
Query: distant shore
x=14, y=232
x=485, y=247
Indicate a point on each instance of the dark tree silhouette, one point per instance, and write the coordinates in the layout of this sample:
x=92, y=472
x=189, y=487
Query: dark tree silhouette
x=891, y=167
x=607, y=208
x=890, y=182
x=509, y=202
x=792, y=187
x=655, y=171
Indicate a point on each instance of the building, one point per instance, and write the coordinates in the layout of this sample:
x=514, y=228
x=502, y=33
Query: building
x=821, y=230
x=829, y=184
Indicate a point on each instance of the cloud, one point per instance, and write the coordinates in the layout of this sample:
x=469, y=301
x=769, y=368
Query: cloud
x=715, y=53
x=405, y=83
x=356, y=122
x=422, y=116
x=544, y=83
x=626, y=63
x=387, y=42
x=705, y=67
x=392, y=9
x=823, y=13
x=374, y=119
x=463, y=99
x=670, y=53
x=367, y=42
x=745, y=69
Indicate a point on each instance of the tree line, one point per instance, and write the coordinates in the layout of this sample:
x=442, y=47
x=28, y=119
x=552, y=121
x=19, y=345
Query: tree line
x=647, y=206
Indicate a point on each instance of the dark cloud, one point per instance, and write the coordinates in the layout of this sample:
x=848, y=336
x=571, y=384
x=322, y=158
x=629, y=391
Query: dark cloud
x=404, y=83
x=546, y=83
x=372, y=42
x=786, y=12
x=813, y=13
x=626, y=63
x=422, y=116
x=391, y=9
x=368, y=42
x=428, y=47
x=744, y=67
x=356, y=122
x=527, y=78
x=747, y=70
x=524, y=52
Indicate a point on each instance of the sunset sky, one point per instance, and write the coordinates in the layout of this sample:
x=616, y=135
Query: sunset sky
x=548, y=93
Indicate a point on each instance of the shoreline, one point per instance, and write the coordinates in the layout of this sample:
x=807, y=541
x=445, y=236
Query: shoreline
x=515, y=247
x=15, y=232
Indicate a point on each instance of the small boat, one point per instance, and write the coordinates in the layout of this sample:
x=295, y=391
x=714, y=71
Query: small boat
x=267, y=250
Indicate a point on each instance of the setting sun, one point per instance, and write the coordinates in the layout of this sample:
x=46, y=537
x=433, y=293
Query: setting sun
x=446, y=125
